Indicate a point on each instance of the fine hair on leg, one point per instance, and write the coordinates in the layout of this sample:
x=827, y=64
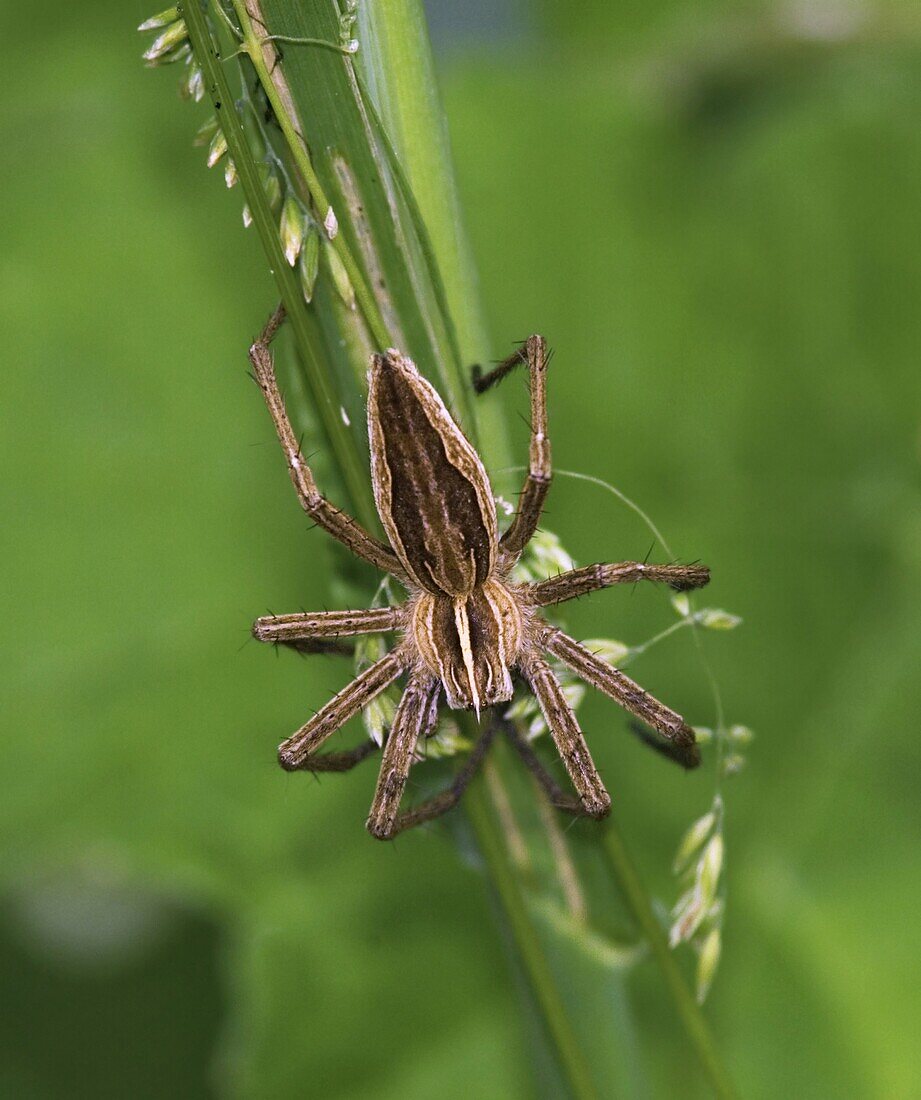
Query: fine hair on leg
x=356, y=695
x=335, y=522
x=568, y=737
x=537, y=482
x=412, y=720
x=589, y=578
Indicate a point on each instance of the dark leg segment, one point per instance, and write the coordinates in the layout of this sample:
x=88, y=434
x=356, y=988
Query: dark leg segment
x=336, y=523
x=567, y=735
x=293, y=753
x=411, y=721
x=338, y=761
x=330, y=647
x=579, y=582
x=624, y=691
x=555, y=793
x=537, y=483
x=448, y=799
x=668, y=749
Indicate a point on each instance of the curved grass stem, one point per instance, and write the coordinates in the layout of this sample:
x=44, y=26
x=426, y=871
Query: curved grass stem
x=302, y=323
x=624, y=871
x=505, y=880
x=424, y=176
x=255, y=45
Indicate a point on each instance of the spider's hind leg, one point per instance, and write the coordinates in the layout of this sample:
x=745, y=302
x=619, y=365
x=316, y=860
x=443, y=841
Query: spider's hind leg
x=557, y=797
x=335, y=522
x=676, y=753
x=338, y=761
x=537, y=483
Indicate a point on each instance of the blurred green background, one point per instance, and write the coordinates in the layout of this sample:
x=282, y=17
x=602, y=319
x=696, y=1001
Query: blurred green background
x=713, y=213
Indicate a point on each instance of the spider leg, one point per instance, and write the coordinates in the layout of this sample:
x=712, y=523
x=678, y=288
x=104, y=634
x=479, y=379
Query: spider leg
x=293, y=753
x=315, y=626
x=566, y=734
x=315, y=646
x=335, y=522
x=448, y=798
x=338, y=761
x=579, y=582
x=555, y=793
x=668, y=749
x=412, y=720
x=537, y=481
x=613, y=683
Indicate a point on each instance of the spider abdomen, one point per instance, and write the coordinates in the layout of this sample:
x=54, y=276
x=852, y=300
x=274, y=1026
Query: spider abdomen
x=430, y=485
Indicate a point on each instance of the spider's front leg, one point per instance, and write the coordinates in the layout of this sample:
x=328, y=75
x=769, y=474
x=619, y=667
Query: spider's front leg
x=335, y=522
x=414, y=718
x=318, y=626
x=568, y=737
x=619, y=687
x=537, y=483
x=447, y=799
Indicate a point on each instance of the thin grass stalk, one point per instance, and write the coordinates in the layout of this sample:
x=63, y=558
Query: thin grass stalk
x=308, y=340
x=689, y=1012
x=433, y=300
x=303, y=324
x=413, y=116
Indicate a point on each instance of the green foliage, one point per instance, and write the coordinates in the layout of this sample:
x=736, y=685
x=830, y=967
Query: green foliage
x=732, y=296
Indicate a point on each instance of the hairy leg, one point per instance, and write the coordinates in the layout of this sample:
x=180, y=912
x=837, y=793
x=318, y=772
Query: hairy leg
x=579, y=582
x=329, y=647
x=624, y=691
x=310, y=626
x=293, y=753
x=537, y=482
x=449, y=798
x=336, y=523
x=411, y=721
x=338, y=761
x=555, y=793
x=566, y=733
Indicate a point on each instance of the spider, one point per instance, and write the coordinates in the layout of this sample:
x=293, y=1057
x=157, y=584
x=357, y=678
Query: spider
x=466, y=626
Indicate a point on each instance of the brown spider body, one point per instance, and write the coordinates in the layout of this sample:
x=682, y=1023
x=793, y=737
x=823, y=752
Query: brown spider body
x=437, y=507
x=466, y=628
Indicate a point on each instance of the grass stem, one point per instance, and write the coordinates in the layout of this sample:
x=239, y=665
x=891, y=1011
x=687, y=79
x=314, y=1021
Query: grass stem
x=301, y=321
x=540, y=977
x=689, y=1011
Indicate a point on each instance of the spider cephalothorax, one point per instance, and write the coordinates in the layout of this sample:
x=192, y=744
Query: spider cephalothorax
x=466, y=627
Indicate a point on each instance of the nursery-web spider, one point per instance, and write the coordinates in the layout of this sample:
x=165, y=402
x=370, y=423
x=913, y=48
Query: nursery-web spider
x=466, y=626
